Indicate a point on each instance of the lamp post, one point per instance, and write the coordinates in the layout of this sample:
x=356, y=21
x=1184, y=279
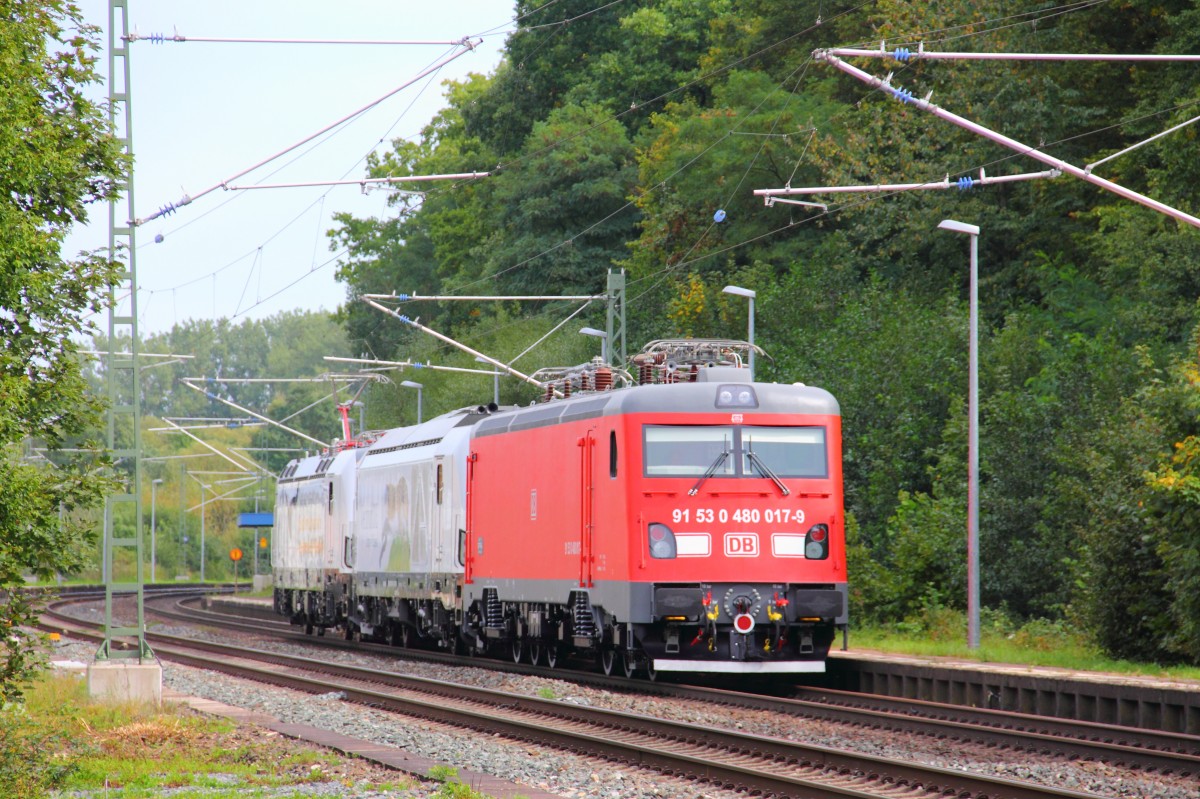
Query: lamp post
x=972, y=436
x=153, y=485
x=203, y=504
x=600, y=334
x=749, y=294
x=418, y=387
x=495, y=380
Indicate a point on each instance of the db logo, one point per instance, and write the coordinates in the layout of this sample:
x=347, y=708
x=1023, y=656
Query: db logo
x=741, y=545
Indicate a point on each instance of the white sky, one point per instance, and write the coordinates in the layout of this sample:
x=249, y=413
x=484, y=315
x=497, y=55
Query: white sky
x=204, y=112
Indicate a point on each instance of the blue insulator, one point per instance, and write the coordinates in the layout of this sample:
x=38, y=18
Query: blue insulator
x=402, y=296
x=167, y=209
x=902, y=54
x=903, y=95
x=404, y=318
x=719, y=216
x=157, y=38
x=418, y=365
x=965, y=183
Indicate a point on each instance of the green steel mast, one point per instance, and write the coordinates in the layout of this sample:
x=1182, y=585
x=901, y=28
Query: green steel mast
x=123, y=566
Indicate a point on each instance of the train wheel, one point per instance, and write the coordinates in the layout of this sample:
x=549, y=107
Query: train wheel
x=651, y=672
x=608, y=660
x=628, y=664
x=518, y=649
x=552, y=655
x=535, y=653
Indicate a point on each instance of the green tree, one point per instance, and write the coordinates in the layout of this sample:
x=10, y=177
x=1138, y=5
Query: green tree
x=1168, y=538
x=575, y=165
x=57, y=157
x=548, y=54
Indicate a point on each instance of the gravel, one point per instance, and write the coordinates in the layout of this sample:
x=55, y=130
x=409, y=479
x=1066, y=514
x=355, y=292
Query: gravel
x=580, y=777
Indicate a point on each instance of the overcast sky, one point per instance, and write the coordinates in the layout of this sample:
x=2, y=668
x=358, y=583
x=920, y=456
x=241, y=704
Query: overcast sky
x=204, y=112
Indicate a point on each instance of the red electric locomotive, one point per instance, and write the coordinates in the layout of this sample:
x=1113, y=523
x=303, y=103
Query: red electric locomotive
x=692, y=523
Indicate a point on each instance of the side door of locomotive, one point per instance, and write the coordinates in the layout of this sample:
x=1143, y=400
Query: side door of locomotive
x=587, y=505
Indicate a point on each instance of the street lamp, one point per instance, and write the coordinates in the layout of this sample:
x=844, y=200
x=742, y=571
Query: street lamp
x=418, y=387
x=749, y=294
x=153, y=485
x=600, y=334
x=495, y=380
x=203, y=504
x=972, y=436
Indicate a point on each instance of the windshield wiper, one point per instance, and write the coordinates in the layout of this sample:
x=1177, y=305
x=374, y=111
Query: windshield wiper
x=709, y=472
x=757, y=462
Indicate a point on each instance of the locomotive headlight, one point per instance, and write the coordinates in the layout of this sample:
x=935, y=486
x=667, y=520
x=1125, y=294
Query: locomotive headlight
x=662, y=541
x=816, y=542
x=735, y=396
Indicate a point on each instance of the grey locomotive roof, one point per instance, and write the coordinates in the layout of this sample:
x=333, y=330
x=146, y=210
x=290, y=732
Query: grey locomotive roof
x=676, y=397
x=313, y=467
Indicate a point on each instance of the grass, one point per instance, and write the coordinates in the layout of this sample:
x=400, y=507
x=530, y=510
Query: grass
x=943, y=633
x=62, y=741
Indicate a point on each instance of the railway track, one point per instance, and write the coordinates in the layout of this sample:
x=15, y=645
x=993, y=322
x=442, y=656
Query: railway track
x=1167, y=753
x=737, y=761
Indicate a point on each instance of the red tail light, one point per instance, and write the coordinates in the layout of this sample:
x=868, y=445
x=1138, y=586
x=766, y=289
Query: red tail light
x=662, y=541
x=816, y=543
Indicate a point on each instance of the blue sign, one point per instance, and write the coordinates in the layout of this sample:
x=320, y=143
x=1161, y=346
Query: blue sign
x=256, y=520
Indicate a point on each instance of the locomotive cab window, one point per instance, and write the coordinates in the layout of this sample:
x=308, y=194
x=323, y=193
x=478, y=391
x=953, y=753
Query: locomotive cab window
x=742, y=451
x=686, y=451
x=786, y=451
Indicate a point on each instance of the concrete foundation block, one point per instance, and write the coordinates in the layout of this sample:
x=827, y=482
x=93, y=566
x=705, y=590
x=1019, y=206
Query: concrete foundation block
x=119, y=681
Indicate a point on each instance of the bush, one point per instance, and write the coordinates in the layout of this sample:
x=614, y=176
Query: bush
x=29, y=766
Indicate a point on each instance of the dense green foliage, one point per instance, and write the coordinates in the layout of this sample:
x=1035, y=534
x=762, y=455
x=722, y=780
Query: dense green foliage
x=56, y=157
x=619, y=131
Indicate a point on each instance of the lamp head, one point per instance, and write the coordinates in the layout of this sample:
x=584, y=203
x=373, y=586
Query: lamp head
x=958, y=227
x=739, y=291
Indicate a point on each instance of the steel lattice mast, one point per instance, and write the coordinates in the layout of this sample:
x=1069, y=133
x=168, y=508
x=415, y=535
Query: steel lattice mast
x=123, y=534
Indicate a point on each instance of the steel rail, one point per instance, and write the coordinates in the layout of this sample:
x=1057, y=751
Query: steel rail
x=1107, y=737
x=737, y=761
x=1129, y=746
